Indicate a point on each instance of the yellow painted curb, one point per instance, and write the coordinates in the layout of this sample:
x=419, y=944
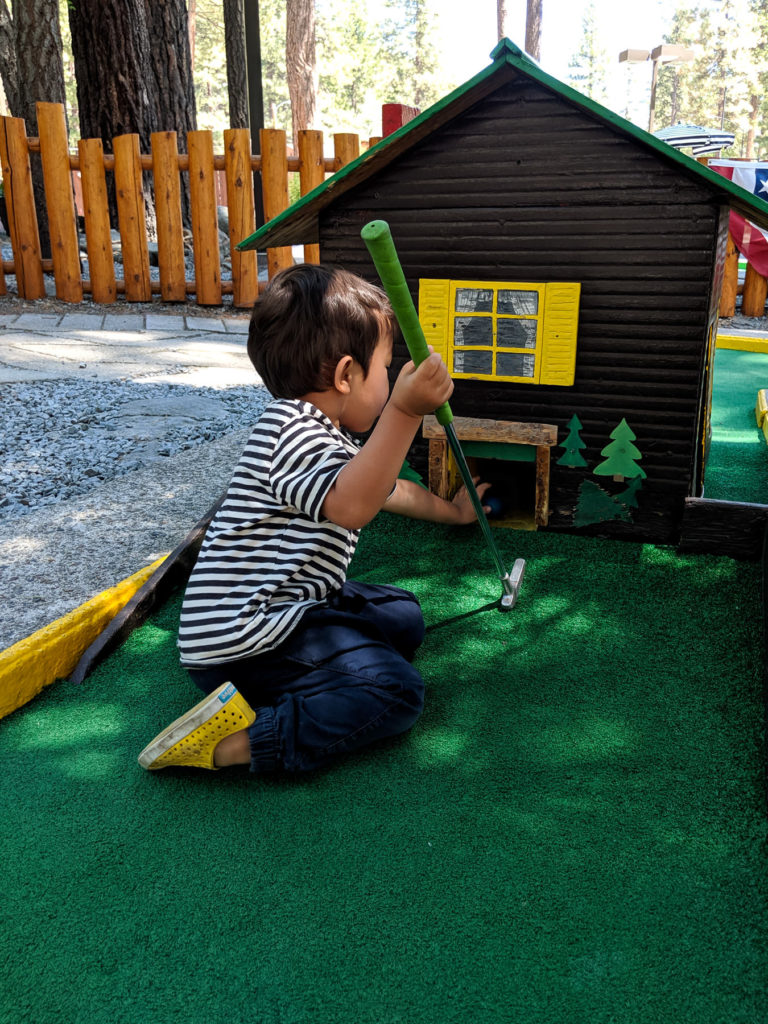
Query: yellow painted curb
x=53, y=651
x=743, y=344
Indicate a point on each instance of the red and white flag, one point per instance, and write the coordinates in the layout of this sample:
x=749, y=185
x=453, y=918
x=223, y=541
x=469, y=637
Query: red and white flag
x=751, y=241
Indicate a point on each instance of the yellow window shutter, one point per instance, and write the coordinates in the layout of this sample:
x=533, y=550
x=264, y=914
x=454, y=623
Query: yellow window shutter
x=434, y=313
x=561, y=319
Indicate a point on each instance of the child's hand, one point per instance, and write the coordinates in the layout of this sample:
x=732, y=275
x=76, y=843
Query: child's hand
x=421, y=390
x=462, y=503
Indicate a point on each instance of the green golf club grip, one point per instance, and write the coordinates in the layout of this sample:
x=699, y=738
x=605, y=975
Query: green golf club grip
x=378, y=239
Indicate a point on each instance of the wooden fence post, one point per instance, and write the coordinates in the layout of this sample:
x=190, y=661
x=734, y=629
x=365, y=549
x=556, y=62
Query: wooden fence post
x=205, y=227
x=346, y=148
x=132, y=218
x=730, y=286
x=274, y=188
x=98, y=240
x=60, y=201
x=20, y=201
x=242, y=220
x=754, y=293
x=170, y=234
x=311, y=174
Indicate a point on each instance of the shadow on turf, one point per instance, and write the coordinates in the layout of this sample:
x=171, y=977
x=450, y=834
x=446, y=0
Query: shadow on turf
x=465, y=615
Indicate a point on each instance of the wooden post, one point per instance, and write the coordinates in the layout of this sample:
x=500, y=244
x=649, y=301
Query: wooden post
x=242, y=220
x=754, y=293
x=395, y=115
x=730, y=279
x=274, y=188
x=60, y=201
x=98, y=239
x=132, y=218
x=311, y=174
x=20, y=203
x=346, y=148
x=205, y=226
x=170, y=236
x=541, y=500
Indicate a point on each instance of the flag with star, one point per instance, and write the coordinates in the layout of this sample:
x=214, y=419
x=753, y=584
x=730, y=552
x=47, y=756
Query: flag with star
x=751, y=241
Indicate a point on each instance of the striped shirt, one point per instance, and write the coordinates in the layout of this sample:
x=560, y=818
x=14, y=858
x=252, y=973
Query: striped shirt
x=269, y=554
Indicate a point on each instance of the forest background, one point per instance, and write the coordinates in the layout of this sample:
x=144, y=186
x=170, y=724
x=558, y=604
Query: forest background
x=399, y=51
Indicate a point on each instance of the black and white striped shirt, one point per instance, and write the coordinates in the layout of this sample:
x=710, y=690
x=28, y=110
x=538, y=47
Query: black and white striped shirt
x=269, y=554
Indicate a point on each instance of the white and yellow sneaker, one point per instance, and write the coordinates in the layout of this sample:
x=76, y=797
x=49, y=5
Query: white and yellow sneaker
x=191, y=740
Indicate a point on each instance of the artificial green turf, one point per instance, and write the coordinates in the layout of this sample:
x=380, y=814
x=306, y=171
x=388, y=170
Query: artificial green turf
x=737, y=468
x=575, y=830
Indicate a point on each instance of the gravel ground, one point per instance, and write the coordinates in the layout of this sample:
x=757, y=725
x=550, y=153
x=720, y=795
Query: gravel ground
x=65, y=438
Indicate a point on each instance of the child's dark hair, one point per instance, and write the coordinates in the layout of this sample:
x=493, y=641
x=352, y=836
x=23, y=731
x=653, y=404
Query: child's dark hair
x=307, y=319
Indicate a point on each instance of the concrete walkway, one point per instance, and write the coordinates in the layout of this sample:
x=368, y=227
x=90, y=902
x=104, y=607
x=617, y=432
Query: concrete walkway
x=55, y=558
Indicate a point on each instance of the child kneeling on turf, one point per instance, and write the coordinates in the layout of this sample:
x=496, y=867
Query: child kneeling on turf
x=300, y=664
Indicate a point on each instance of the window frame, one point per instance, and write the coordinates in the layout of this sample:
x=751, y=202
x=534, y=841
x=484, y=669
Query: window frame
x=496, y=286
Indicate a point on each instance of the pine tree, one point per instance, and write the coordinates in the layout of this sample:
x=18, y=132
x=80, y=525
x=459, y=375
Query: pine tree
x=588, y=68
x=573, y=443
x=721, y=86
x=620, y=455
x=595, y=506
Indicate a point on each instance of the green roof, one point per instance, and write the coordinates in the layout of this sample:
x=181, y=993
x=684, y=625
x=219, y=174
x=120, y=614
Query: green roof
x=298, y=224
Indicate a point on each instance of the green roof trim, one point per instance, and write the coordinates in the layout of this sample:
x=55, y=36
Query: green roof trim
x=505, y=55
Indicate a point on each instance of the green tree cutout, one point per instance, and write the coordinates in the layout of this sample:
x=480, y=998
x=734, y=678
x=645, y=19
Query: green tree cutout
x=620, y=455
x=572, y=455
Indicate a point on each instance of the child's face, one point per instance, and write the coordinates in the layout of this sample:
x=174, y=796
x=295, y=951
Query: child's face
x=368, y=395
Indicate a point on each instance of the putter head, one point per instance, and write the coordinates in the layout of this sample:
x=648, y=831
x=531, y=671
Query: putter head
x=512, y=583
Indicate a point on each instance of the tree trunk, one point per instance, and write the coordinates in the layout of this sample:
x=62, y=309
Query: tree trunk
x=116, y=87
x=754, y=121
x=533, y=29
x=172, y=65
x=39, y=71
x=237, y=65
x=8, y=69
x=192, y=22
x=301, y=64
x=501, y=19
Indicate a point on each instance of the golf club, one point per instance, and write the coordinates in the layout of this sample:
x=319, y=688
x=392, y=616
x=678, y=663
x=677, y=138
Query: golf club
x=378, y=240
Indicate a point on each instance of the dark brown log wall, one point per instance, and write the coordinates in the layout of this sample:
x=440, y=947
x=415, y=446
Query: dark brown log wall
x=525, y=187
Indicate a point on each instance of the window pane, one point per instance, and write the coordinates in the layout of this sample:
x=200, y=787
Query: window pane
x=515, y=364
x=473, y=362
x=473, y=330
x=474, y=300
x=516, y=333
x=521, y=303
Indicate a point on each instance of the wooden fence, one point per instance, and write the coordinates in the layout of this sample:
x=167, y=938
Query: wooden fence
x=166, y=164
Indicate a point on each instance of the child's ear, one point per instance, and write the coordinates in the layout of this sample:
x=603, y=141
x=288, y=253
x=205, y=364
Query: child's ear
x=343, y=375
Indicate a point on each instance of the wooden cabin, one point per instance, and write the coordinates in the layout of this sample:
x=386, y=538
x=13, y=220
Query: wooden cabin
x=568, y=266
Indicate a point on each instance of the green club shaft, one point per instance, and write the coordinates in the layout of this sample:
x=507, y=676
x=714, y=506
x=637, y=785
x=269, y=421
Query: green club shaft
x=378, y=240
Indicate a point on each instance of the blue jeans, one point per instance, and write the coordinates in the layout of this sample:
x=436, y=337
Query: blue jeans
x=340, y=681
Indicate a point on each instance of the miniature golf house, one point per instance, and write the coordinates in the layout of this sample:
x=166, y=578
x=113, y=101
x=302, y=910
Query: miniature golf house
x=567, y=265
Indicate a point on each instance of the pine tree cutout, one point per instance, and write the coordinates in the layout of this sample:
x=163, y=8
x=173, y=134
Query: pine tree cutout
x=595, y=506
x=620, y=455
x=629, y=497
x=572, y=455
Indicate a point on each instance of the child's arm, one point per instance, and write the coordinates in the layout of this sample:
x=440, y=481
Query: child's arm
x=364, y=484
x=411, y=499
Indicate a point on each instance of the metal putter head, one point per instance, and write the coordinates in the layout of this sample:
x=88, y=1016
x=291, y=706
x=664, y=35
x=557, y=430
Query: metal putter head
x=511, y=582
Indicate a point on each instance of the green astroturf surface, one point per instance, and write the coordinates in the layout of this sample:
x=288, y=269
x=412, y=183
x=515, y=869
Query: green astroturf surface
x=737, y=469
x=574, y=831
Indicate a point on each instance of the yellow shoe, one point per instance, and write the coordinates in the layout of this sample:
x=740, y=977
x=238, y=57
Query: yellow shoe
x=191, y=740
